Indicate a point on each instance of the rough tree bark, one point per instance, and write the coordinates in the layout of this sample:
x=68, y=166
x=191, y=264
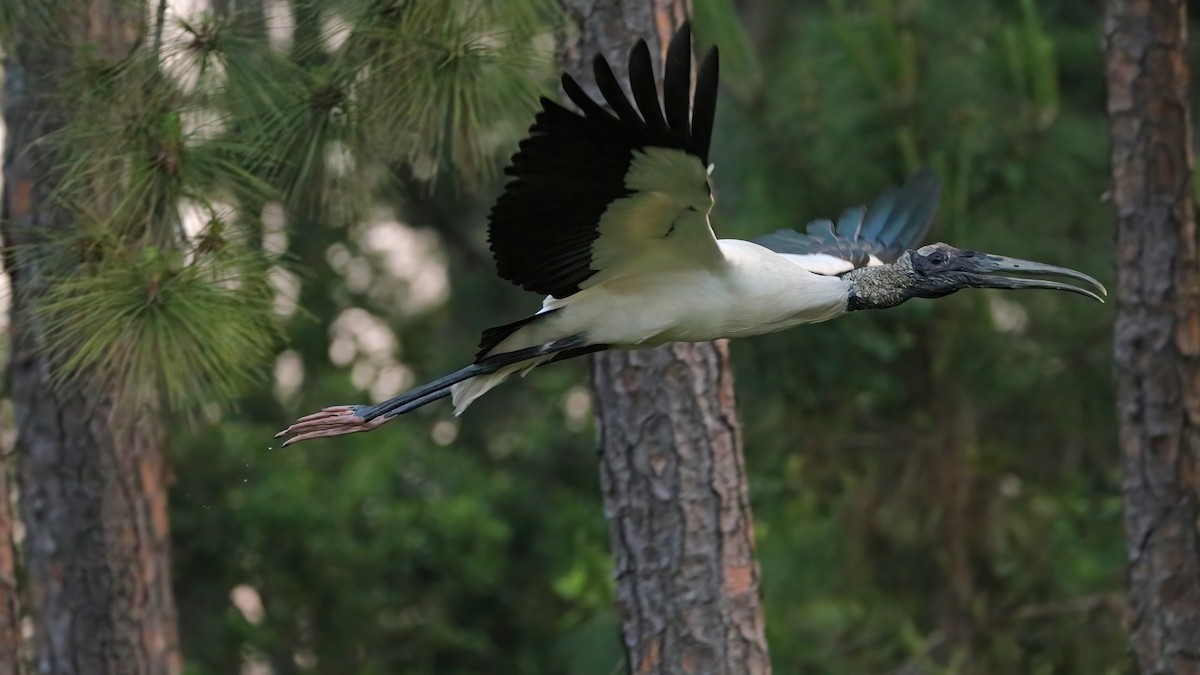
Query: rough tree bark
x=11, y=662
x=1157, y=335
x=672, y=470
x=92, y=478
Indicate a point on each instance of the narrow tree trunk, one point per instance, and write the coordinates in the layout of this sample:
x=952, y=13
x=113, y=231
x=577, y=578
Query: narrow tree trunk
x=11, y=662
x=675, y=497
x=92, y=479
x=672, y=470
x=1157, y=338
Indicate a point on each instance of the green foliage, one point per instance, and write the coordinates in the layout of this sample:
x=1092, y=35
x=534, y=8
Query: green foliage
x=128, y=303
x=155, y=325
x=448, y=81
x=16, y=16
x=139, y=149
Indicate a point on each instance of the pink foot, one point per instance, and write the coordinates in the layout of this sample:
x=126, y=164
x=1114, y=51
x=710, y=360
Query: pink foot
x=337, y=420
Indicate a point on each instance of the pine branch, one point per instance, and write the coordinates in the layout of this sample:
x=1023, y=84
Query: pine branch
x=159, y=23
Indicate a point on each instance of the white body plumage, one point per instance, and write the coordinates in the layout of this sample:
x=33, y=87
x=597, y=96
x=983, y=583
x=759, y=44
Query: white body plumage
x=749, y=290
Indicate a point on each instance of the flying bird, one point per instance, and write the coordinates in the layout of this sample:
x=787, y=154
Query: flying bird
x=606, y=214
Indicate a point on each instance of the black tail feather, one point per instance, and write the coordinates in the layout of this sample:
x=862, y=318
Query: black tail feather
x=572, y=353
x=497, y=334
x=440, y=388
x=446, y=391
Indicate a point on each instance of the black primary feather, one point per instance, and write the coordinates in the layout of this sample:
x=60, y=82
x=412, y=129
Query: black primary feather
x=572, y=166
x=610, y=89
x=704, y=105
x=898, y=221
x=676, y=81
x=645, y=91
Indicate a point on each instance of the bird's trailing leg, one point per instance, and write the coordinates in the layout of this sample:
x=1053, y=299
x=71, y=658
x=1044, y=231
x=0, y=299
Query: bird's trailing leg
x=348, y=419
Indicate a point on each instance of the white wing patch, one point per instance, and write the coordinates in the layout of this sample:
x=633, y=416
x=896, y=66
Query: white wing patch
x=823, y=263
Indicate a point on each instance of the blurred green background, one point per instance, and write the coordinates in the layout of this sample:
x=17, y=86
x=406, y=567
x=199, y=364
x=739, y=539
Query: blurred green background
x=935, y=488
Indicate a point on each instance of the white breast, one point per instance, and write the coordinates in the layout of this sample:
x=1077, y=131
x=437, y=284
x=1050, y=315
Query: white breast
x=770, y=293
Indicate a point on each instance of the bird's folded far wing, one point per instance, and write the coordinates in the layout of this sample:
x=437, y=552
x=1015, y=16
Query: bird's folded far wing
x=898, y=220
x=619, y=187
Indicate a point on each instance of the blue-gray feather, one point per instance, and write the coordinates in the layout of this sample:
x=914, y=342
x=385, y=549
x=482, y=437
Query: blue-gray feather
x=851, y=221
x=898, y=220
x=877, y=216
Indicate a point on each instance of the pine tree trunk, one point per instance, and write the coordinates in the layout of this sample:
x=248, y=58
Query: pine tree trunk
x=672, y=470
x=1157, y=337
x=10, y=607
x=92, y=478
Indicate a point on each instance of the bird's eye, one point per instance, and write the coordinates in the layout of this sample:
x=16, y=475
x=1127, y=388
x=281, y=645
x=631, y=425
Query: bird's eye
x=937, y=258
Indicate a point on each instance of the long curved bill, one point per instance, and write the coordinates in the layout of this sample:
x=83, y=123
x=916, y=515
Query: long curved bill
x=985, y=271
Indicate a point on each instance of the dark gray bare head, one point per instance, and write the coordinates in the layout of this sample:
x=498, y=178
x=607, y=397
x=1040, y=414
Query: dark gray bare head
x=939, y=269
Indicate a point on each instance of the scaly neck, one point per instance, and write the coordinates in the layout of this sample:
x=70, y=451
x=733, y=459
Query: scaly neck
x=880, y=286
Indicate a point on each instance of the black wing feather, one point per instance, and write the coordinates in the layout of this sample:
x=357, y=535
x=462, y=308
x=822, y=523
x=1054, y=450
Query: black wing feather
x=898, y=220
x=704, y=105
x=572, y=167
x=610, y=88
x=677, y=79
x=579, y=97
x=645, y=91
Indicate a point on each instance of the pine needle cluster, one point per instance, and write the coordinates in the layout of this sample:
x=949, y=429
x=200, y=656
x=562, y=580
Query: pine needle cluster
x=213, y=116
x=131, y=303
x=131, y=325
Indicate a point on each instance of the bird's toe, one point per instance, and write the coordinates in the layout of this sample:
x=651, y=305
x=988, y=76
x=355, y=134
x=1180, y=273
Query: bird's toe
x=332, y=421
x=331, y=411
x=336, y=426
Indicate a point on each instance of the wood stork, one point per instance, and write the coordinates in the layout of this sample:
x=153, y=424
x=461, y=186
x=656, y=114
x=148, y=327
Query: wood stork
x=606, y=214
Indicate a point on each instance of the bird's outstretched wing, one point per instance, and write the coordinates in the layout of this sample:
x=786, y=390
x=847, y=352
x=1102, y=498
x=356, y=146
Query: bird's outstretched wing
x=602, y=191
x=897, y=221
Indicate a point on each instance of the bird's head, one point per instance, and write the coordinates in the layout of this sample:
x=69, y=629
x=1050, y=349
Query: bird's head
x=939, y=269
